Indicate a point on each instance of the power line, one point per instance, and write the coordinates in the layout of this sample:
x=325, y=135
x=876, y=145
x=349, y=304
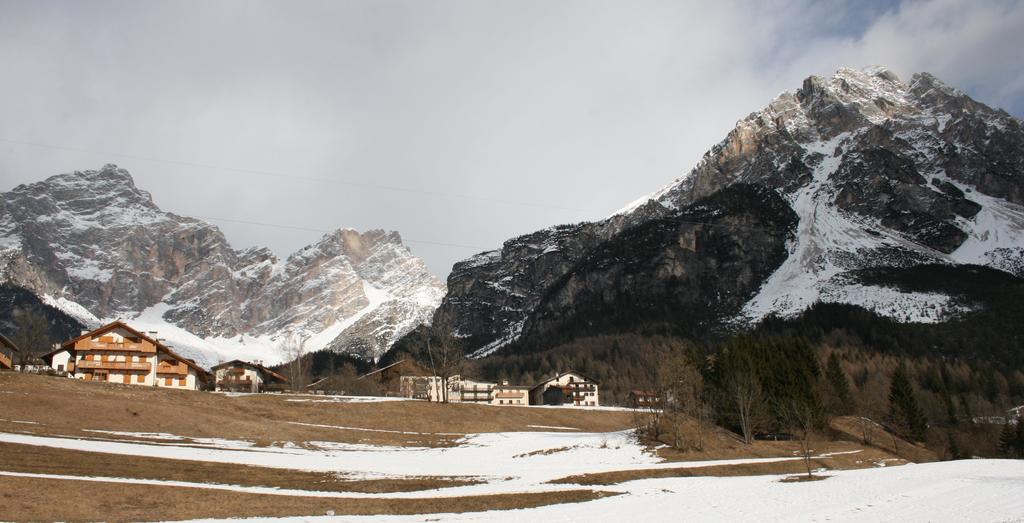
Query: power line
x=325, y=231
x=320, y=179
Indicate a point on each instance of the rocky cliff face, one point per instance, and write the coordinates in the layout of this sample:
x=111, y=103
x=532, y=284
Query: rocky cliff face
x=96, y=245
x=878, y=172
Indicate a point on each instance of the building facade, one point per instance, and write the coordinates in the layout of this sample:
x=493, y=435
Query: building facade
x=244, y=376
x=427, y=388
x=465, y=390
x=567, y=388
x=506, y=394
x=7, y=353
x=117, y=353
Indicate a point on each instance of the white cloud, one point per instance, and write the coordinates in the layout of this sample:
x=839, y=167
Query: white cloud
x=579, y=106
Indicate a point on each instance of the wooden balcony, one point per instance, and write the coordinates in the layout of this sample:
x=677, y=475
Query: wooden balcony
x=90, y=345
x=231, y=380
x=181, y=369
x=5, y=361
x=114, y=365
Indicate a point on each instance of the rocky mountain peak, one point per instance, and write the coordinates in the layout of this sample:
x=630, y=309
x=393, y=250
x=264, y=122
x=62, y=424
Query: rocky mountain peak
x=94, y=243
x=109, y=185
x=876, y=171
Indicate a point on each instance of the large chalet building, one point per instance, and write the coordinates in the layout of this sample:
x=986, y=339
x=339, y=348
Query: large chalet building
x=117, y=353
x=244, y=376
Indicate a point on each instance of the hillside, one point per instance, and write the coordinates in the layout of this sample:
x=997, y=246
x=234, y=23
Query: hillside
x=876, y=172
x=217, y=455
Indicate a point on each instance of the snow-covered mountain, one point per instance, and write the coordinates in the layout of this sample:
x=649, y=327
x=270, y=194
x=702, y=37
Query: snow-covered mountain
x=878, y=172
x=94, y=245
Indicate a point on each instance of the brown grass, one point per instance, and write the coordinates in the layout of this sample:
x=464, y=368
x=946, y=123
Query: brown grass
x=43, y=460
x=65, y=407
x=849, y=427
x=24, y=499
x=867, y=458
x=803, y=478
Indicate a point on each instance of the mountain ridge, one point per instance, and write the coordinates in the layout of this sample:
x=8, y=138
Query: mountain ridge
x=879, y=172
x=97, y=246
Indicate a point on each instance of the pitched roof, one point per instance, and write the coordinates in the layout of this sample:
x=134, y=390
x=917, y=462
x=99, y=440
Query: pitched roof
x=254, y=365
x=49, y=355
x=558, y=376
x=118, y=324
x=6, y=342
x=382, y=369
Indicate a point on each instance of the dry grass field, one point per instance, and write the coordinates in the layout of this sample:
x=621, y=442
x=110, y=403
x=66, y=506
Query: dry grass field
x=66, y=407
x=585, y=444
x=33, y=499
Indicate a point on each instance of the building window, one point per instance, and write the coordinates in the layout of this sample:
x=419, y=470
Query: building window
x=140, y=378
x=168, y=381
x=181, y=382
x=60, y=368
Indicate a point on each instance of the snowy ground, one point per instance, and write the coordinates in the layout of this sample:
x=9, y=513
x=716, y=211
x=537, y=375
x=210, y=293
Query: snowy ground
x=975, y=490
x=521, y=462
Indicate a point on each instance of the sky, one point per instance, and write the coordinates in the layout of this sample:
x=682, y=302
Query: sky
x=459, y=124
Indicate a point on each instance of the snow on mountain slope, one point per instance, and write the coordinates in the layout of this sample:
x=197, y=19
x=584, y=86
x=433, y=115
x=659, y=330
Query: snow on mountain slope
x=835, y=128
x=92, y=244
x=881, y=173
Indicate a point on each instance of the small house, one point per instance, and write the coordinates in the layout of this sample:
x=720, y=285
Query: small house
x=506, y=394
x=388, y=379
x=643, y=399
x=567, y=388
x=427, y=388
x=244, y=376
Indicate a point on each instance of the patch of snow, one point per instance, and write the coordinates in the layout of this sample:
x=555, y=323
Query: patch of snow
x=915, y=307
x=965, y=490
x=73, y=309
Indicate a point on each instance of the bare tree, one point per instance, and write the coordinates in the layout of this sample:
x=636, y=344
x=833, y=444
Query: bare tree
x=803, y=420
x=299, y=363
x=31, y=335
x=683, y=401
x=744, y=389
x=445, y=354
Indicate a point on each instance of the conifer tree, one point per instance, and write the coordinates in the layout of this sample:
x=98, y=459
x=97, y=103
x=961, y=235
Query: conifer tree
x=1008, y=440
x=838, y=386
x=905, y=411
x=955, y=452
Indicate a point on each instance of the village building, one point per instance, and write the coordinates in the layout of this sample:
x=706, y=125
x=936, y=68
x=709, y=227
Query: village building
x=567, y=388
x=643, y=399
x=427, y=388
x=465, y=390
x=7, y=353
x=505, y=394
x=1015, y=414
x=244, y=376
x=117, y=353
x=459, y=390
x=328, y=385
x=388, y=379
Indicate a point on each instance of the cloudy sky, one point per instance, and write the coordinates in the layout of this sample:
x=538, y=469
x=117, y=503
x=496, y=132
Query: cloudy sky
x=457, y=123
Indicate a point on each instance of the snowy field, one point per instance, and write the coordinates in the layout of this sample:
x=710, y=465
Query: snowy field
x=527, y=462
x=974, y=490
